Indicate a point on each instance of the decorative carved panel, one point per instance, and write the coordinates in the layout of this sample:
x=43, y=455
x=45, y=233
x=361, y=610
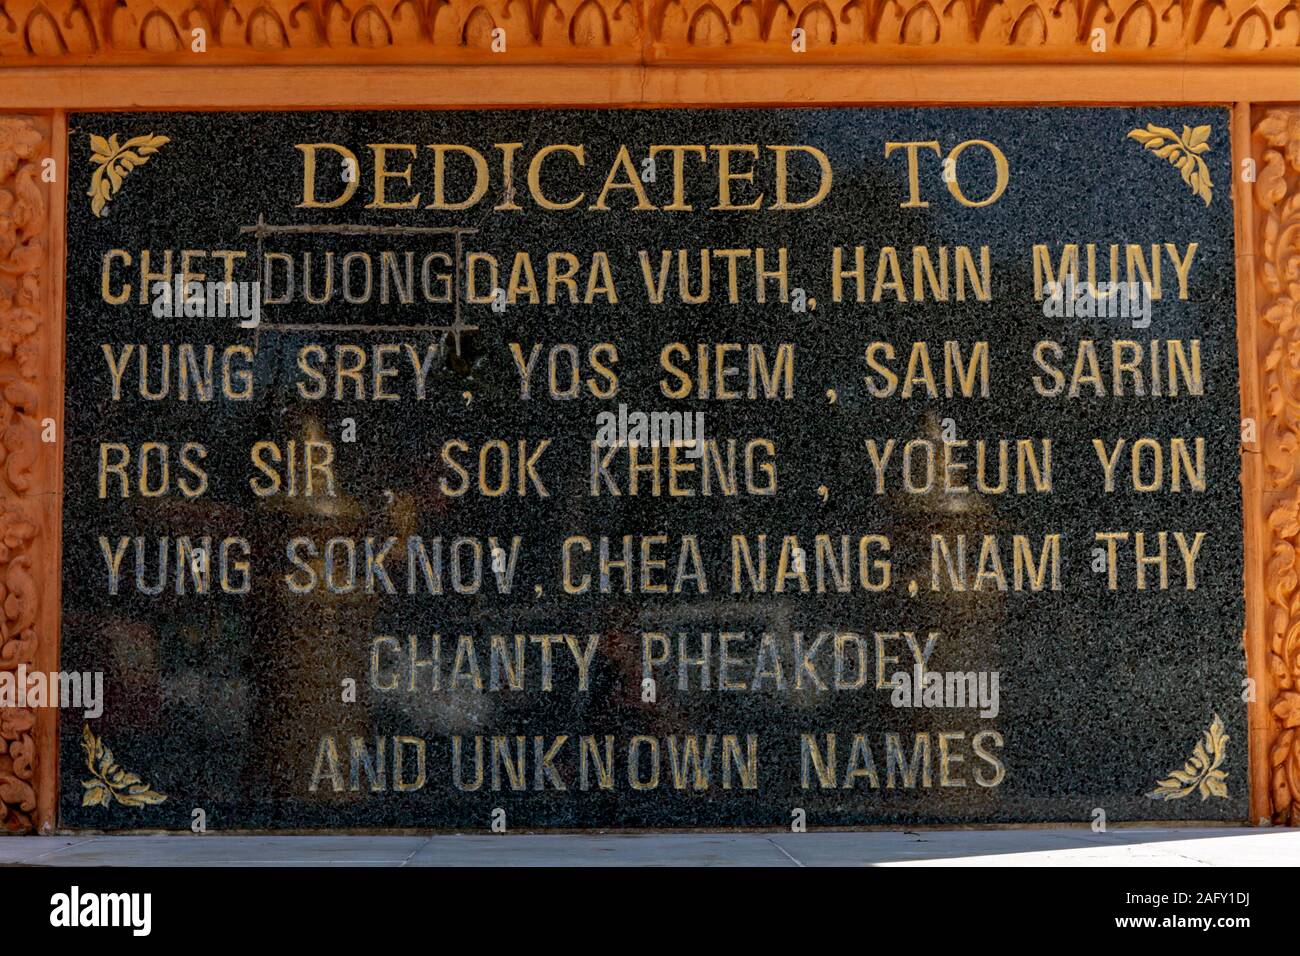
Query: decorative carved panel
x=629, y=31
x=26, y=506
x=1277, y=247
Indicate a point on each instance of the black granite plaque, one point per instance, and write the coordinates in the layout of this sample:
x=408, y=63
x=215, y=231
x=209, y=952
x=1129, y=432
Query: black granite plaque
x=951, y=537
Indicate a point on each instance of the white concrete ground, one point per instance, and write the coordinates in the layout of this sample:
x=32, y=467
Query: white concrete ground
x=1199, y=847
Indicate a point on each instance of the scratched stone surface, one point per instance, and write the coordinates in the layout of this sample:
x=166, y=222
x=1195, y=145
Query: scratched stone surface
x=227, y=687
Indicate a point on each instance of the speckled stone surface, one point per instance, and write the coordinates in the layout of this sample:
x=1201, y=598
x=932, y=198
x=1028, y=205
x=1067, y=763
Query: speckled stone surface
x=221, y=701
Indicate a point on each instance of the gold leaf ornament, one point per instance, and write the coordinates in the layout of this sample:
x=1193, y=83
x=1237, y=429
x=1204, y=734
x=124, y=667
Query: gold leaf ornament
x=1183, y=152
x=109, y=782
x=114, y=161
x=1201, y=772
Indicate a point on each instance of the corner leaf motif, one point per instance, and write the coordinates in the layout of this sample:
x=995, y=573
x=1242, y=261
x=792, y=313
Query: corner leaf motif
x=109, y=781
x=1201, y=772
x=114, y=161
x=1184, y=153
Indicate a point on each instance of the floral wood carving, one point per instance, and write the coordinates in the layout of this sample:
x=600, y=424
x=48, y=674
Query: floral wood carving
x=422, y=31
x=22, y=264
x=1277, y=193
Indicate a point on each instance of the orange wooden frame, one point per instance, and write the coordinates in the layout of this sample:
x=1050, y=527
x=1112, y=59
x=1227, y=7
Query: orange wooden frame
x=62, y=55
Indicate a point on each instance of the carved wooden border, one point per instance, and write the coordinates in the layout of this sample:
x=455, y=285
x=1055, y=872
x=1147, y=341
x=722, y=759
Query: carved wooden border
x=632, y=31
x=30, y=348
x=1277, y=290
